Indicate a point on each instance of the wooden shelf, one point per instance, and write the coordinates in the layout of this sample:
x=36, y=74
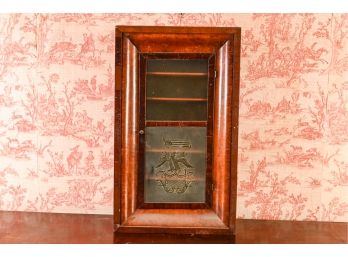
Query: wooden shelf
x=166, y=123
x=192, y=178
x=177, y=99
x=178, y=74
x=175, y=149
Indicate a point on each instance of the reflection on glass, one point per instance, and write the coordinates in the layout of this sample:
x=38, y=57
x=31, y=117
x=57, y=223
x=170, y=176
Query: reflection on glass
x=175, y=164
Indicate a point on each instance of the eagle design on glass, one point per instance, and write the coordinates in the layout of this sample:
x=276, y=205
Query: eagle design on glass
x=173, y=169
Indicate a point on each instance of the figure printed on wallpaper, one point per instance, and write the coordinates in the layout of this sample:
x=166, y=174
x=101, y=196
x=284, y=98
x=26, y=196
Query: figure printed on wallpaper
x=174, y=169
x=93, y=83
x=88, y=45
x=74, y=159
x=90, y=167
x=93, y=89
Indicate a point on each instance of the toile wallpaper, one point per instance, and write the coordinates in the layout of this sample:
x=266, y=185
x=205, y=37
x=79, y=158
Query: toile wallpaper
x=57, y=111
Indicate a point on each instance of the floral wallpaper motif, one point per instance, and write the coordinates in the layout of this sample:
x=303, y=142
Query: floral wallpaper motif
x=57, y=102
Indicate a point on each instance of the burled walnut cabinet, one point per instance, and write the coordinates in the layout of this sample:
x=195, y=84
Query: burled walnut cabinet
x=176, y=130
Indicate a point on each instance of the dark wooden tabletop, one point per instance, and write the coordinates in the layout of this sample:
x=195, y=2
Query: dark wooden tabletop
x=25, y=227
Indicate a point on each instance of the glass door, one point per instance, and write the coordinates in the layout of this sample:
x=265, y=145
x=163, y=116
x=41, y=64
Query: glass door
x=175, y=133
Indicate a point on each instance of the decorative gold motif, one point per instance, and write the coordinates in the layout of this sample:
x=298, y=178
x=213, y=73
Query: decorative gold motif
x=174, y=170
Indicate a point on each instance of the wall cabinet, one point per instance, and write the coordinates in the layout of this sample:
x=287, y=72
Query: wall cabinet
x=176, y=130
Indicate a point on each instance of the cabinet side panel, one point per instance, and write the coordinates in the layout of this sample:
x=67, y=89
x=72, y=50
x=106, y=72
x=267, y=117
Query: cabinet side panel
x=235, y=114
x=117, y=132
x=222, y=135
x=130, y=127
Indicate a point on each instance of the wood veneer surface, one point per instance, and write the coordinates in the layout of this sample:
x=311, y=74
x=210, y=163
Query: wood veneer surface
x=26, y=227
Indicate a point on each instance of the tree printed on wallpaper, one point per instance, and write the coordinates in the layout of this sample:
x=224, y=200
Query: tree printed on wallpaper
x=271, y=196
x=15, y=51
x=272, y=200
x=340, y=174
x=328, y=212
x=337, y=113
x=57, y=111
x=281, y=58
x=336, y=31
x=250, y=43
x=15, y=193
x=50, y=106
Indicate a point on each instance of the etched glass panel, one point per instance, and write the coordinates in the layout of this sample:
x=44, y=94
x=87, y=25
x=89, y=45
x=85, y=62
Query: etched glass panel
x=175, y=165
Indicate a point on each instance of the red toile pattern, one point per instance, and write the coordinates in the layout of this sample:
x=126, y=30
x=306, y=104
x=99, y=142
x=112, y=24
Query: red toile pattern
x=57, y=102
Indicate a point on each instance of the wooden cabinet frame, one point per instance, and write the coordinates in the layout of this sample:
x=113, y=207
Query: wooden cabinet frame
x=218, y=217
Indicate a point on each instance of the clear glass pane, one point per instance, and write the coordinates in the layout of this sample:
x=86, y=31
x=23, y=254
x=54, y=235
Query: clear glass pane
x=176, y=89
x=176, y=111
x=175, y=164
x=172, y=86
x=177, y=65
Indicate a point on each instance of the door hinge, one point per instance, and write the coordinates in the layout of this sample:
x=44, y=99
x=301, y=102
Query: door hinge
x=215, y=74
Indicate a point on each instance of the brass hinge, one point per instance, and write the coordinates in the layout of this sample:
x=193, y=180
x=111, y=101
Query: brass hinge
x=215, y=74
